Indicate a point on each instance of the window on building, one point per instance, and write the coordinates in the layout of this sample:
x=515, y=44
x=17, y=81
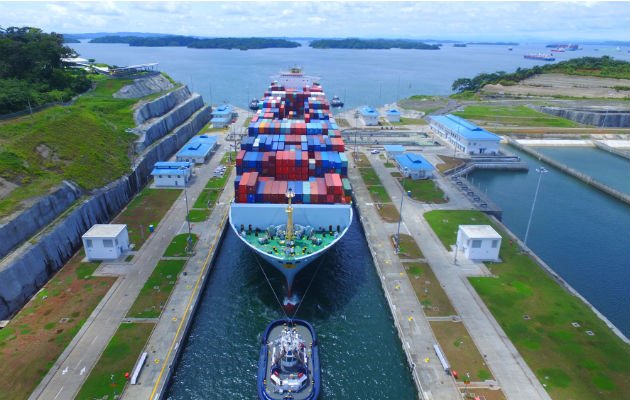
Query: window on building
x=495, y=243
x=476, y=244
x=88, y=243
x=108, y=243
x=116, y=242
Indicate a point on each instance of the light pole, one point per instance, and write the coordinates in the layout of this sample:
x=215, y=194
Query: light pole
x=356, y=129
x=402, y=198
x=541, y=171
x=189, y=241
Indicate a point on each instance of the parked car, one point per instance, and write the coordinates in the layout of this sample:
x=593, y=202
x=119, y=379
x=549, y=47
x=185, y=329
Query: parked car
x=374, y=151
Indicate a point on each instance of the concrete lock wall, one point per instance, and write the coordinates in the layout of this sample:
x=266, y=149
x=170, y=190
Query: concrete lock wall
x=22, y=274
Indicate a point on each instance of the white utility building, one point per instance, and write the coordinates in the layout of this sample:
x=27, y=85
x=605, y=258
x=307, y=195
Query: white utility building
x=171, y=173
x=106, y=241
x=369, y=116
x=464, y=135
x=479, y=242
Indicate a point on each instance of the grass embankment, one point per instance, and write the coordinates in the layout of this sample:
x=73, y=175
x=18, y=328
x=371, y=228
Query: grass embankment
x=40, y=332
x=537, y=315
x=424, y=190
x=119, y=357
x=513, y=115
x=156, y=290
x=85, y=143
x=428, y=290
x=147, y=208
x=379, y=195
x=460, y=351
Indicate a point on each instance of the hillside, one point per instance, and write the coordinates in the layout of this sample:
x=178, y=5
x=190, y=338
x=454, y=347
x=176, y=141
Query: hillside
x=86, y=143
x=195, y=43
x=31, y=71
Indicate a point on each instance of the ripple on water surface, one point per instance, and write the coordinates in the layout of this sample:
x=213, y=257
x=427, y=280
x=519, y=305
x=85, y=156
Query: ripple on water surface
x=361, y=356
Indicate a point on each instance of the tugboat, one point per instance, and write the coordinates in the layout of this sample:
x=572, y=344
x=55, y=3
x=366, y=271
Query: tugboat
x=288, y=368
x=254, y=104
x=336, y=102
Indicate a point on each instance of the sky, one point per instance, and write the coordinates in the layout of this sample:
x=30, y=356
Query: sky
x=469, y=20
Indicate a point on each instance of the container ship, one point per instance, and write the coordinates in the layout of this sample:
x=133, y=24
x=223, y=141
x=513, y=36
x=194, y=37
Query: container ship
x=542, y=57
x=293, y=197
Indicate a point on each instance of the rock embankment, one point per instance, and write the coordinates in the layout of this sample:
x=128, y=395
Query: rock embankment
x=32, y=264
x=19, y=227
x=144, y=87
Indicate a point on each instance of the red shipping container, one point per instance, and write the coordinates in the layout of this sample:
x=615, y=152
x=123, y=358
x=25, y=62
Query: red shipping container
x=239, y=158
x=314, y=196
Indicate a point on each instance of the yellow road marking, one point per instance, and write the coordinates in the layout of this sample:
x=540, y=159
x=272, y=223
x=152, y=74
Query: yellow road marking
x=190, y=299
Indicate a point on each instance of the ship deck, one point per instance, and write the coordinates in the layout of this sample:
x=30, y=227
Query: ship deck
x=305, y=393
x=302, y=247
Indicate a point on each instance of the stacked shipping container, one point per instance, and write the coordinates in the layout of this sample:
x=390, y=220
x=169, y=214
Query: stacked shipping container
x=293, y=143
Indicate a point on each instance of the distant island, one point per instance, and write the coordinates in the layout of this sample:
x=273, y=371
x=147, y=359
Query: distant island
x=70, y=39
x=495, y=43
x=372, y=44
x=195, y=43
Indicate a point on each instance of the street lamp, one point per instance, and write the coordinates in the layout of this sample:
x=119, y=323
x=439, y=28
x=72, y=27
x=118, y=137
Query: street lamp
x=541, y=171
x=356, y=129
x=402, y=198
x=189, y=241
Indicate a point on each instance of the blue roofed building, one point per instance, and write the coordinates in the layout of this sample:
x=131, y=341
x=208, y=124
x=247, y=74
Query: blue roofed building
x=198, y=149
x=414, y=166
x=369, y=116
x=222, y=116
x=393, y=115
x=393, y=150
x=171, y=173
x=464, y=135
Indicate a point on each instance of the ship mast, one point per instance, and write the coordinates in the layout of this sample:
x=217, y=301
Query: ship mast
x=289, y=210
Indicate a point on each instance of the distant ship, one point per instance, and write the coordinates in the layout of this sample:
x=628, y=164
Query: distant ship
x=559, y=50
x=288, y=366
x=336, y=102
x=542, y=57
x=293, y=197
x=254, y=104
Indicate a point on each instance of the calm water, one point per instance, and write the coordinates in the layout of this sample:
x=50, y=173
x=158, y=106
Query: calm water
x=607, y=168
x=359, y=76
x=580, y=232
x=361, y=356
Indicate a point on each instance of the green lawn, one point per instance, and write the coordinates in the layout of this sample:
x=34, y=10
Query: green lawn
x=424, y=190
x=408, y=247
x=410, y=121
x=147, y=208
x=369, y=176
x=388, y=212
x=177, y=247
x=207, y=198
x=379, y=194
x=219, y=183
x=197, y=215
x=156, y=290
x=572, y=364
x=119, y=357
x=434, y=300
x=513, y=115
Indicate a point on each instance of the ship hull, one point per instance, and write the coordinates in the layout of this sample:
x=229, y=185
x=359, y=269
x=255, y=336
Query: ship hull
x=260, y=216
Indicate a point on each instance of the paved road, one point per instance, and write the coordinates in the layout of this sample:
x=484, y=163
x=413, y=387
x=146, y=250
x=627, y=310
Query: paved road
x=69, y=372
x=509, y=369
x=414, y=330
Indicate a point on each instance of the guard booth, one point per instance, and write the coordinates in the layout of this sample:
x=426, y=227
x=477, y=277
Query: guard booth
x=105, y=241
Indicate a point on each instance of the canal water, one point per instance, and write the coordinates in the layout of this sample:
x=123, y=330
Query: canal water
x=605, y=167
x=580, y=232
x=361, y=355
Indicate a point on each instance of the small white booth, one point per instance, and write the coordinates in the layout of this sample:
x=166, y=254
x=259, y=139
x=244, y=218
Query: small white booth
x=106, y=241
x=479, y=242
